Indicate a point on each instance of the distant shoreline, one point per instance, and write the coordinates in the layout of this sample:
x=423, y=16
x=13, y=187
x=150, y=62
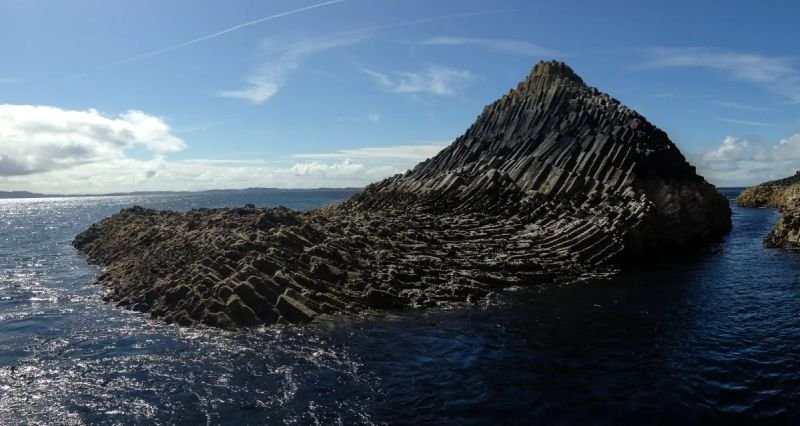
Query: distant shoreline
x=10, y=195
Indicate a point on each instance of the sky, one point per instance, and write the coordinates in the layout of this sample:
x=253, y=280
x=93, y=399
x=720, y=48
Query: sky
x=99, y=96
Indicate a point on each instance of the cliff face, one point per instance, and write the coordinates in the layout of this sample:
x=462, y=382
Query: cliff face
x=555, y=181
x=784, y=195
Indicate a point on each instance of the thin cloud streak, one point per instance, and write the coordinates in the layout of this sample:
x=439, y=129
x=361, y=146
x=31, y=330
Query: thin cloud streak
x=736, y=105
x=434, y=19
x=218, y=34
x=776, y=74
x=288, y=13
x=266, y=80
x=269, y=77
x=435, y=80
x=417, y=152
x=751, y=123
x=513, y=47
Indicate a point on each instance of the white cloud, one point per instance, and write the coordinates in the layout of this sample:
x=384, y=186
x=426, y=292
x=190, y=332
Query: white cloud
x=262, y=84
x=374, y=117
x=397, y=152
x=742, y=162
x=285, y=57
x=52, y=150
x=731, y=149
x=128, y=174
x=788, y=148
x=436, y=80
x=513, y=47
x=36, y=139
x=777, y=74
x=346, y=167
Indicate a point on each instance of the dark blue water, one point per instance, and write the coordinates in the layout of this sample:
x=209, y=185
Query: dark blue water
x=712, y=337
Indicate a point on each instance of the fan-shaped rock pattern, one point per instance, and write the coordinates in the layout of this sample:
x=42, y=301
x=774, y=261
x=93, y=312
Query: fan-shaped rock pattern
x=784, y=195
x=554, y=181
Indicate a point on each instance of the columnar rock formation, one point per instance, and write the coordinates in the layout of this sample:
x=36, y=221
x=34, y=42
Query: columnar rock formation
x=784, y=195
x=554, y=138
x=554, y=181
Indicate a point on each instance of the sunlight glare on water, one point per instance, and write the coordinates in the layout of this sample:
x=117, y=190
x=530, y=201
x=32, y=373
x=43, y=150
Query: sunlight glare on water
x=709, y=337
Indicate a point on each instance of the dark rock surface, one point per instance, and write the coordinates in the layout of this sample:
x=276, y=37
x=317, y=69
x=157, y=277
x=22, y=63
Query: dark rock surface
x=784, y=195
x=554, y=182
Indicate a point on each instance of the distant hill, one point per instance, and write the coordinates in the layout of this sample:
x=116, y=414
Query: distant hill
x=27, y=194
x=21, y=194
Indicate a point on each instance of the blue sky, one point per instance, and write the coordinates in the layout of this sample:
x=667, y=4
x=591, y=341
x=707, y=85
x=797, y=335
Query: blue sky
x=99, y=96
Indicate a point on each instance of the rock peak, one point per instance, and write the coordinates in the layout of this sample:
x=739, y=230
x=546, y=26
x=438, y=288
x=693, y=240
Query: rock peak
x=555, y=138
x=553, y=71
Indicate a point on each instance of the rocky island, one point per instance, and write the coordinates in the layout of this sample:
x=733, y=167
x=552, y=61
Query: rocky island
x=784, y=195
x=555, y=181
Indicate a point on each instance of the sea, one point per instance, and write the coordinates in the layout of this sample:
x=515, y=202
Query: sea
x=708, y=337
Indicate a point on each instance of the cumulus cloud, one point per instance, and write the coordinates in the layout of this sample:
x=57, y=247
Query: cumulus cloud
x=128, y=174
x=345, y=167
x=284, y=58
x=513, y=47
x=777, y=74
x=742, y=162
x=53, y=150
x=374, y=117
x=788, y=148
x=435, y=80
x=35, y=139
x=731, y=149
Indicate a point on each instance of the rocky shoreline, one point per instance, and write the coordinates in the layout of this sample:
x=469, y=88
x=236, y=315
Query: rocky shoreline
x=246, y=266
x=784, y=195
x=555, y=181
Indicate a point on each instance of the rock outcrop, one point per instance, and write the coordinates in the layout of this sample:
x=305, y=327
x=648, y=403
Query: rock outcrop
x=555, y=181
x=784, y=195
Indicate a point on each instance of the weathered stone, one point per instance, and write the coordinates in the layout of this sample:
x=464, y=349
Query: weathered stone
x=240, y=313
x=381, y=299
x=293, y=310
x=217, y=319
x=177, y=294
x=259, y=304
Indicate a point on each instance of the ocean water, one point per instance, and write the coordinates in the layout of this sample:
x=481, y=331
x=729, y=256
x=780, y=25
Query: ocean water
x=710, y=337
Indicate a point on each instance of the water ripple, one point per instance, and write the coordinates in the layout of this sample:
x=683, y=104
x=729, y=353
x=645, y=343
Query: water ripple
x=709, y=338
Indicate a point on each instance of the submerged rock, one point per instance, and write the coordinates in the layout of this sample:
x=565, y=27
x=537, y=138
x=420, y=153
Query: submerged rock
x=784, y=195
x=555, y=181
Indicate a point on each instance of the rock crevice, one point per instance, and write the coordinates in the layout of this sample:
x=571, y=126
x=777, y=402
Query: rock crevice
x=554, y=181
